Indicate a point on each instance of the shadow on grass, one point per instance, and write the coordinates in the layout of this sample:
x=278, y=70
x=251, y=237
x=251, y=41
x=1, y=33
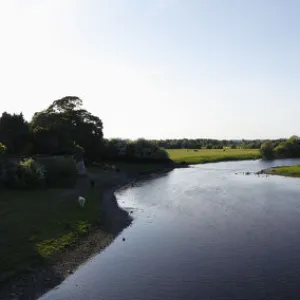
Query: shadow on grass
x=32, y=283
x=40, y=231
x=45, y=235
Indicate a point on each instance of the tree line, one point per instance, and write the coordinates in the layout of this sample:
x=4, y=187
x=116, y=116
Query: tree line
x=289, y=148
x=208, y=144
x=65, y=127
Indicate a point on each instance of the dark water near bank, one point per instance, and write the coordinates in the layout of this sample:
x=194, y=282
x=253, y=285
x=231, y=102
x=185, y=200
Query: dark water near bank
x=207, y=232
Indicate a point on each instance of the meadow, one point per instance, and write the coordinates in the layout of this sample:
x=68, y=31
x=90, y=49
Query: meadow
x=200, y=156
x=35, y=224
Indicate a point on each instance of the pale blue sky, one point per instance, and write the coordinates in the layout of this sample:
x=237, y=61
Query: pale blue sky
x=157, y=68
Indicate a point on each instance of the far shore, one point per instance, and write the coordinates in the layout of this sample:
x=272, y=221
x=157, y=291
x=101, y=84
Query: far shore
x=201, y=156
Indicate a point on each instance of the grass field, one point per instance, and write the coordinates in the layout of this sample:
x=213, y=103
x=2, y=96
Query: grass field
x=291, y=171
x=36, y=224
x=200, y=156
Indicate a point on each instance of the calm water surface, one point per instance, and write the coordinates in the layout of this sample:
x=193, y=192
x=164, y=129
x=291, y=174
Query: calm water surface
x=208, y=232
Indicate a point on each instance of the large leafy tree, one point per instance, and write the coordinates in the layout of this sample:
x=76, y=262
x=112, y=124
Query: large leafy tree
x=267, y=150
x=14, y=132
x=65, y=124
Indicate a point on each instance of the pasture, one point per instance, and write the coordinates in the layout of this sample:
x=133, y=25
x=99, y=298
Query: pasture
x=200, y=156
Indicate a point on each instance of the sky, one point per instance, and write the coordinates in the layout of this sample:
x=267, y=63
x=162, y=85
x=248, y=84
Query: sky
x=157, y=68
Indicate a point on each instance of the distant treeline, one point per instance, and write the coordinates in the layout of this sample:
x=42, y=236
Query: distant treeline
x=207, y=144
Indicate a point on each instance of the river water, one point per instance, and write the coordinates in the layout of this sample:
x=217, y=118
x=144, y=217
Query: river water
x=206, y=232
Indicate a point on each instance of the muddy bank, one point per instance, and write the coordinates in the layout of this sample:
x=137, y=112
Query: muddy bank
x=34, y=282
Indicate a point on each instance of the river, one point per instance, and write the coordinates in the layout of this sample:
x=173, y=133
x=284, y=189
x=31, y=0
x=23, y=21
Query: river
x=206, y=232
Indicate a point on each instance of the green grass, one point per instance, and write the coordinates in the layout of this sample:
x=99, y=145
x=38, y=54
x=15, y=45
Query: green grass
x=200, y=156
x=292, y=171
x=36, y=224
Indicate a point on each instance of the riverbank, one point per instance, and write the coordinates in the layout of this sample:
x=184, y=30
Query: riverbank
x=201, y=156
x=289, y=171
x=47, y=235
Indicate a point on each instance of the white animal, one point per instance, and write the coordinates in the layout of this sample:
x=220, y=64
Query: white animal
x=81, y=201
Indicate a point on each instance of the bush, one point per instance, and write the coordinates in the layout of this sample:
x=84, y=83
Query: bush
x=25, y=174
x=60, y=171
x=32, y=173
x=266, y=150
x=2, y=149
x=283, y=149
x=140, y=150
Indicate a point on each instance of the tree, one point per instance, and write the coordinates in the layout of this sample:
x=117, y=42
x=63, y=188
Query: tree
x=14, y=132
x=266, y=150
x=288, y=148
x=63, y=124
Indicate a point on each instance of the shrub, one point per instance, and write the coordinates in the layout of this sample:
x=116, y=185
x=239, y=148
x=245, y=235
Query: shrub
x=140, y=150
x=267, y=150
x=2, y=149
x=23, y=174
x=60, y=171
x=32, y=173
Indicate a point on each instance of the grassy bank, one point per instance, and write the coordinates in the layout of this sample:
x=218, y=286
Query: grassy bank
x=291, y=171
x=200, y=156
x=36, y=224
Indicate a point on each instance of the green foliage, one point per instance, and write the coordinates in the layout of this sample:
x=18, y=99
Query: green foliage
x=266, y=150
x=37, y=223
x=63, y=126
x=32, y=173
x=146, y=150
x=284, y=149
x=25, y=174
x=51, y=171
x=207, y=144
x=2, y=149
x=14, y=132
x=140, y=150
x=60, y=171
x=207, y=155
